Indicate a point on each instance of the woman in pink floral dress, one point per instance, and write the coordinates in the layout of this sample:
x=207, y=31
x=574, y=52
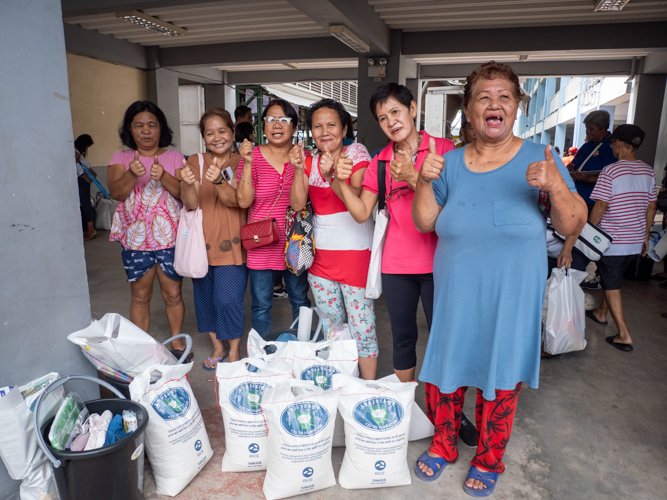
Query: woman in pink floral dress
x=145, y=180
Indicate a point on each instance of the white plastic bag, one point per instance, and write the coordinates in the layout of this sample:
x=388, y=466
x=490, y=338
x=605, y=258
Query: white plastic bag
x=39, y=484
x=300, y=419
x=566, y=313
x=240, y=393
x=320, y=361
x=119, y=342
x=268, y=351
x=176, y=440
x=377, y=425
x=657, y=246
x=104, y=212
x=374, y=279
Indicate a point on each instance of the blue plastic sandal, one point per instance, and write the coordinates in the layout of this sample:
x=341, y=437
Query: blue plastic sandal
x=485, y=477
x=437, y=465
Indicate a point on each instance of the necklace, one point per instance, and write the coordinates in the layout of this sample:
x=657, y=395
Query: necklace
x=414, y=153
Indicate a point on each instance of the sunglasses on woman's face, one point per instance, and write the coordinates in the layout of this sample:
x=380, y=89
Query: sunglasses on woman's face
x=272, y=120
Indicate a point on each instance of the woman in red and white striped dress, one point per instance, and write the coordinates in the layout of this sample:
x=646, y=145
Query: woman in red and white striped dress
x=265, y=177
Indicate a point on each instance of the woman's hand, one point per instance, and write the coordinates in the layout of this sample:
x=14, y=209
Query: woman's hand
x=326, y=164
x=246, y=152
x=157, y=170
x=433, y=164
x=402, y=169
x=213, y=172
x=297, y=157
x=544, y=174
x=344, y=168
x=136, y=166
x=186, y=174
x=564, y=259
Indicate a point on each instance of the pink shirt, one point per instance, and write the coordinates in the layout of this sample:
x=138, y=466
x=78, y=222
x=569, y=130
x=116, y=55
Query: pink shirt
x=267, y=183
x=148, y=219
x=406, y=250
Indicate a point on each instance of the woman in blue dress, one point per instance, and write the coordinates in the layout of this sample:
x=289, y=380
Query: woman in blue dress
x=482, y=201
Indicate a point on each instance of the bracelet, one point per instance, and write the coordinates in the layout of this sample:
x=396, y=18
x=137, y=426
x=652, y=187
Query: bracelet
x=222, y=179
x=245, y=180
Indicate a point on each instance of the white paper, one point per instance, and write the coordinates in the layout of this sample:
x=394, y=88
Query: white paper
x=305, y=322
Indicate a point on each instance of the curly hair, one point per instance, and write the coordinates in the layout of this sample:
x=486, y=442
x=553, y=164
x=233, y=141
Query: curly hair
x=490, y=71
x=125, y=130
x=330, y=104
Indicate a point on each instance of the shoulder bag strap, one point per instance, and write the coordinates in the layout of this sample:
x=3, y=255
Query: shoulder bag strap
x=382, y=184
x=589, y=156
x=201, y=173
x=309, y=165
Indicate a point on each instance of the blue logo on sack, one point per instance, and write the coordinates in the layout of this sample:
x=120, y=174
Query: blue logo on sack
x=253, y=448
x=378, y=414
x=380, y=465
x=307, y=472
x=247, y=397
x=304, y=419
x=172, y=404
x=321, y=375
x=198, y=445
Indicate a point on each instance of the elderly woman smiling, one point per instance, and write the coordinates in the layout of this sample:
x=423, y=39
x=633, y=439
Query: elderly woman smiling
x=482, y=201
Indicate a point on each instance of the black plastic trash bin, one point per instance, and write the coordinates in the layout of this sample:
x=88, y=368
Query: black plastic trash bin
x=114, y=472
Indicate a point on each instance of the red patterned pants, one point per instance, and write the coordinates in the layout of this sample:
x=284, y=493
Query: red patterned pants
x=493, y=418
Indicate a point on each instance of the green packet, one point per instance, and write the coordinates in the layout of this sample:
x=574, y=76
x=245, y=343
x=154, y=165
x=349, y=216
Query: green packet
x=65, y=420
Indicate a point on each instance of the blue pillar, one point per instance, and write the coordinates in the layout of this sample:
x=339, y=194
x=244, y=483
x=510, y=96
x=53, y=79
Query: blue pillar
x=546, y=137
x=610, y=110
x=559, y=137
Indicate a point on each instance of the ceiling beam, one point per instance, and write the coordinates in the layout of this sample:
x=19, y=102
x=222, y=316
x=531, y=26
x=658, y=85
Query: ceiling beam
x=93, y=44
x=291, y=76
x=266, y=51
x=519, y=40
x=73, y=8
x=356, y=15
x=605, y=67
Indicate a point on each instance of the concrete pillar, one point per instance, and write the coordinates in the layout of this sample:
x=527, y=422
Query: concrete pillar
x=648, y=116
x=214, y=96
x=44, y=296
x=611, y=110
x=162, y=89
x=369, y=132
x=546, y=137
x=559, y=137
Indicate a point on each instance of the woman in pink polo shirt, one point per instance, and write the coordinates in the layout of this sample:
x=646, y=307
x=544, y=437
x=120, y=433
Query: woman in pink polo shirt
x=407, y=261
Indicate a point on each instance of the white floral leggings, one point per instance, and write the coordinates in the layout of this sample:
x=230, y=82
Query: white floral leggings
x=330, y=296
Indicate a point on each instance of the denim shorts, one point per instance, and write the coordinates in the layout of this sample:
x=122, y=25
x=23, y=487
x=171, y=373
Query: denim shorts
x=137, y=263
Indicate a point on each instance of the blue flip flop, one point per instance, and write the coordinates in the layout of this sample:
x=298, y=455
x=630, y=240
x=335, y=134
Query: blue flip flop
x=437, y=465
x=485, y=477
x=214, y=360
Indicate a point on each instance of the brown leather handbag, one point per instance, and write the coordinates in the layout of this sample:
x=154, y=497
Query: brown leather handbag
x=263, y=232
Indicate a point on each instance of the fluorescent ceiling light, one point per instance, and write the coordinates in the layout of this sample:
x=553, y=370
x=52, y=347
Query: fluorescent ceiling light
x=609, y=5
x=152, y=23
x=349, y=38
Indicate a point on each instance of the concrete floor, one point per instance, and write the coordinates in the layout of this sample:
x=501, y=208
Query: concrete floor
x=596, y=428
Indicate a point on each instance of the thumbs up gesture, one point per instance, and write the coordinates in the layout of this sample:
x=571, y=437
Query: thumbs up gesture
x=297, y=157
x=246, y=152
x=433, y=164
x=344, y=168
x=136, y=166
x=186, y=174
x=544, y=174
x=326, y=163
x=401, y=167
x=214, y=172
x=157, y=170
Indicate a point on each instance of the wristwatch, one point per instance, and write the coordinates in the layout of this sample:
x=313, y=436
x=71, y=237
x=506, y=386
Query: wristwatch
x=222, y=179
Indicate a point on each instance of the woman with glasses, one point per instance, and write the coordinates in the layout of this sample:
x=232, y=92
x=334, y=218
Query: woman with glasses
x=407, y=261
x=265, y=177
x=342, y=246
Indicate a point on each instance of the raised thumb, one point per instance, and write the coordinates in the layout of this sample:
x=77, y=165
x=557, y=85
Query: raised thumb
x=431, y=146
x=325, y=148
x=136, y=155
x=215, y=162
x=301, y=144
x=185, y=164
x=156, y=160
x=548, y=154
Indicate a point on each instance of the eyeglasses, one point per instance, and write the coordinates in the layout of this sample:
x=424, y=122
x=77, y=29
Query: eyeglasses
x=398, y=192
x=272, y=120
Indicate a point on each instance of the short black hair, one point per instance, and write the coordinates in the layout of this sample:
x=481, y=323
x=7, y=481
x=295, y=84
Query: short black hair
x=241, y=111
x=135, y=108
x=82, y=143
x=330, y=104
x=243, y=131
x=287, y=108
x=399, y=92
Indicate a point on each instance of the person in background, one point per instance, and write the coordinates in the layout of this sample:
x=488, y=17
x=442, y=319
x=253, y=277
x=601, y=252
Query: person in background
x=144, y=179
x=349, y=134
x=625, y=205
x=339, y=271
x=243, y=131
x=218, y=295
x=487, y=316
x=243, y=114
x=265, y=177
x=81, y=145
x=571, y=153
x=557, y=149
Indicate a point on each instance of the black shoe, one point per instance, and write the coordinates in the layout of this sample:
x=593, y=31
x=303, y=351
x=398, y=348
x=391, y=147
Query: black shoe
x=468, y=432
x=280, y=293
x=592, y=284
